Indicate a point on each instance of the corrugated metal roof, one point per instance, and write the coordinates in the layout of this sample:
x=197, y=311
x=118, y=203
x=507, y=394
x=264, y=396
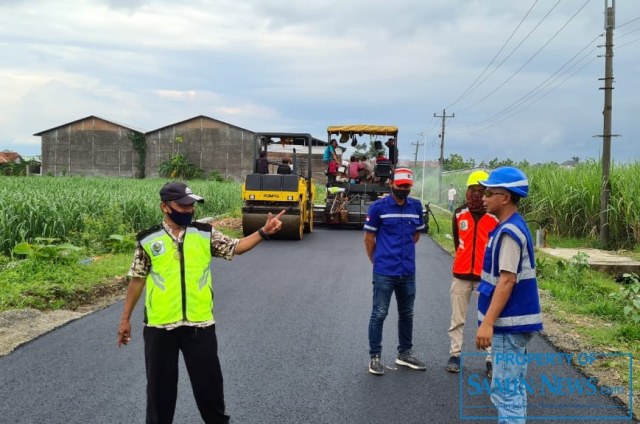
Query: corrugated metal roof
x=198, y=117
x=129, y=127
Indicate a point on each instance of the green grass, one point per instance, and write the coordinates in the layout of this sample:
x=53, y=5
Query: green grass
x=440, y=229
x=36, y=284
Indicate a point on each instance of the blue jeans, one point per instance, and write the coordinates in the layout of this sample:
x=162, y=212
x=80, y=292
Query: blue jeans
x=383, y=287
x=508, y=391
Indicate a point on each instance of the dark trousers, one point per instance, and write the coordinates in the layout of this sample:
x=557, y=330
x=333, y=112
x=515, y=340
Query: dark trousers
x=199, y=348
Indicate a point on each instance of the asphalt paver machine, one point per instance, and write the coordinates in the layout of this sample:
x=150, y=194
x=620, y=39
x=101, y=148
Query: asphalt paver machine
x=347, y=203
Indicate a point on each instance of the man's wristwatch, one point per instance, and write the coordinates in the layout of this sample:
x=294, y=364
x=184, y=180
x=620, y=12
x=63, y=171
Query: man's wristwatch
x=263, y=234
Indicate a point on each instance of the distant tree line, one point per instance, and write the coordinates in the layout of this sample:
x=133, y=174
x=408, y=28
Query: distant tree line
x=456, y=162
x=20, y=168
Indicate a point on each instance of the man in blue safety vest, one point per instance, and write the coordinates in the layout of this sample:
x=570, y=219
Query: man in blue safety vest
x=508, y=301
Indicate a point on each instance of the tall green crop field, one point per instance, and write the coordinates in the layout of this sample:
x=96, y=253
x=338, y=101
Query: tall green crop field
x=79, y=209
x=565, y=201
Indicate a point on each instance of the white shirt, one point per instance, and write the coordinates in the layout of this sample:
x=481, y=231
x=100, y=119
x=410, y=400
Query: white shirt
x=452, y=193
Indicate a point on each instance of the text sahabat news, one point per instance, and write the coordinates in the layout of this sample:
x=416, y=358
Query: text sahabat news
x=542, y=385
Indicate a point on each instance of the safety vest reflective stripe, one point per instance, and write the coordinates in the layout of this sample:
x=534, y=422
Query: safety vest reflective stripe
x=522, y=310
x=399, y=215
x=514, y=320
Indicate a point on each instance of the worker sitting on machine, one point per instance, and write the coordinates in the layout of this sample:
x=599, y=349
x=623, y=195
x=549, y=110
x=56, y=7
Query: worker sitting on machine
x=284, y=168
x=262, y=164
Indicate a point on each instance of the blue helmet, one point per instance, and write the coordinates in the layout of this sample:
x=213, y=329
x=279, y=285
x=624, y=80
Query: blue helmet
x=510, y=178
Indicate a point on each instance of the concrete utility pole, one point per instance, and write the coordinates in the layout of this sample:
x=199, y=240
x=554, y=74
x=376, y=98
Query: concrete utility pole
x=609, y=25
x=424, y=162
x=415, y=159
x=441, y=160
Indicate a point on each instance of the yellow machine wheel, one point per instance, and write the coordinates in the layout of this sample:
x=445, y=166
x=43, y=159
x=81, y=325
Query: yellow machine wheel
x=308, y=226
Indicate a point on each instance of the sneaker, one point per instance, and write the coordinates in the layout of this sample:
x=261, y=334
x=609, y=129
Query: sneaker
x=454, y=364
x=489, y=366
x=375, y=366
x=408, y=360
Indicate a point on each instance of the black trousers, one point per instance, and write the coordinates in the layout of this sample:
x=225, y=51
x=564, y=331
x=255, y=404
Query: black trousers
x=199, y=348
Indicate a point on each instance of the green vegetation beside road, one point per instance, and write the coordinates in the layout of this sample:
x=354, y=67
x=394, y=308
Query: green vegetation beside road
x=86, y=211
x=53, y=229
x=564, y=201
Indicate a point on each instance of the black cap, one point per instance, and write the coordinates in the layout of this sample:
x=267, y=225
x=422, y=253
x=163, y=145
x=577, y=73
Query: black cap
x=179, y=193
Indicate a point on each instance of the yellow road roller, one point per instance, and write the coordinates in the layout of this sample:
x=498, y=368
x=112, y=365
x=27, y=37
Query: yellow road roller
x=275, y=185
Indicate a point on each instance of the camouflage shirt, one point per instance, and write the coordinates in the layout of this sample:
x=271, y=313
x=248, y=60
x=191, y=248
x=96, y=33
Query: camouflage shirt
x=221, y=247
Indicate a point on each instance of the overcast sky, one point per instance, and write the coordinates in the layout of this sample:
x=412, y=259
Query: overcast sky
x=520, y=76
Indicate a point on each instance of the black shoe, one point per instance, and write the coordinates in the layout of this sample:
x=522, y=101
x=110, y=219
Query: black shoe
x=375, y=366
x=454, y=364
x=489, y=366
x=409, y=360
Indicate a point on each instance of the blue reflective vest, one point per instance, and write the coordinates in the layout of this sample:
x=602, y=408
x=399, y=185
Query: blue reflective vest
x=521, y=314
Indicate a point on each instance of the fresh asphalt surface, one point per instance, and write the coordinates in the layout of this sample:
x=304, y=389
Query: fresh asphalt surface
x=292, y=323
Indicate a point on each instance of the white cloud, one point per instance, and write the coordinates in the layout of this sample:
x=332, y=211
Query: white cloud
x=302, y=66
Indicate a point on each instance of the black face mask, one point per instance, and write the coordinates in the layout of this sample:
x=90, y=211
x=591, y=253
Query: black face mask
x=181, y=218
x=400, y=194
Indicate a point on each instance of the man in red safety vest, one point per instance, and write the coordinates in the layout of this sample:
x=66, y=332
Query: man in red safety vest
x=471, y=225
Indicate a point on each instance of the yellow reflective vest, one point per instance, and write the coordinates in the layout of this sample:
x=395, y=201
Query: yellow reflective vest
x=179, y=285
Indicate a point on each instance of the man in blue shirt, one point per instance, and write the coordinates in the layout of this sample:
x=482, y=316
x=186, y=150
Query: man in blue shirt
x=392, y=229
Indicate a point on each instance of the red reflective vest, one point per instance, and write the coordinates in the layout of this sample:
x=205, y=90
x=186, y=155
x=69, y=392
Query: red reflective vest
x=473, y=237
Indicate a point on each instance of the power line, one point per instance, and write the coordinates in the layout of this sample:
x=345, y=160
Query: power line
x=518, y=46
x=630, y=42
x=485, y=125
x=540, y=87
x=530, y=59
x=471, y=88
x=628, y=32
x=628, y=22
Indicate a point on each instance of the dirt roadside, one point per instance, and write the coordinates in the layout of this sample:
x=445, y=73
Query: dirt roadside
x=20, y=326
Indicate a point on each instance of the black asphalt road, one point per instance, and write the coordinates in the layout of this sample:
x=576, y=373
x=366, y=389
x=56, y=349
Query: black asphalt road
x=292, y=327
